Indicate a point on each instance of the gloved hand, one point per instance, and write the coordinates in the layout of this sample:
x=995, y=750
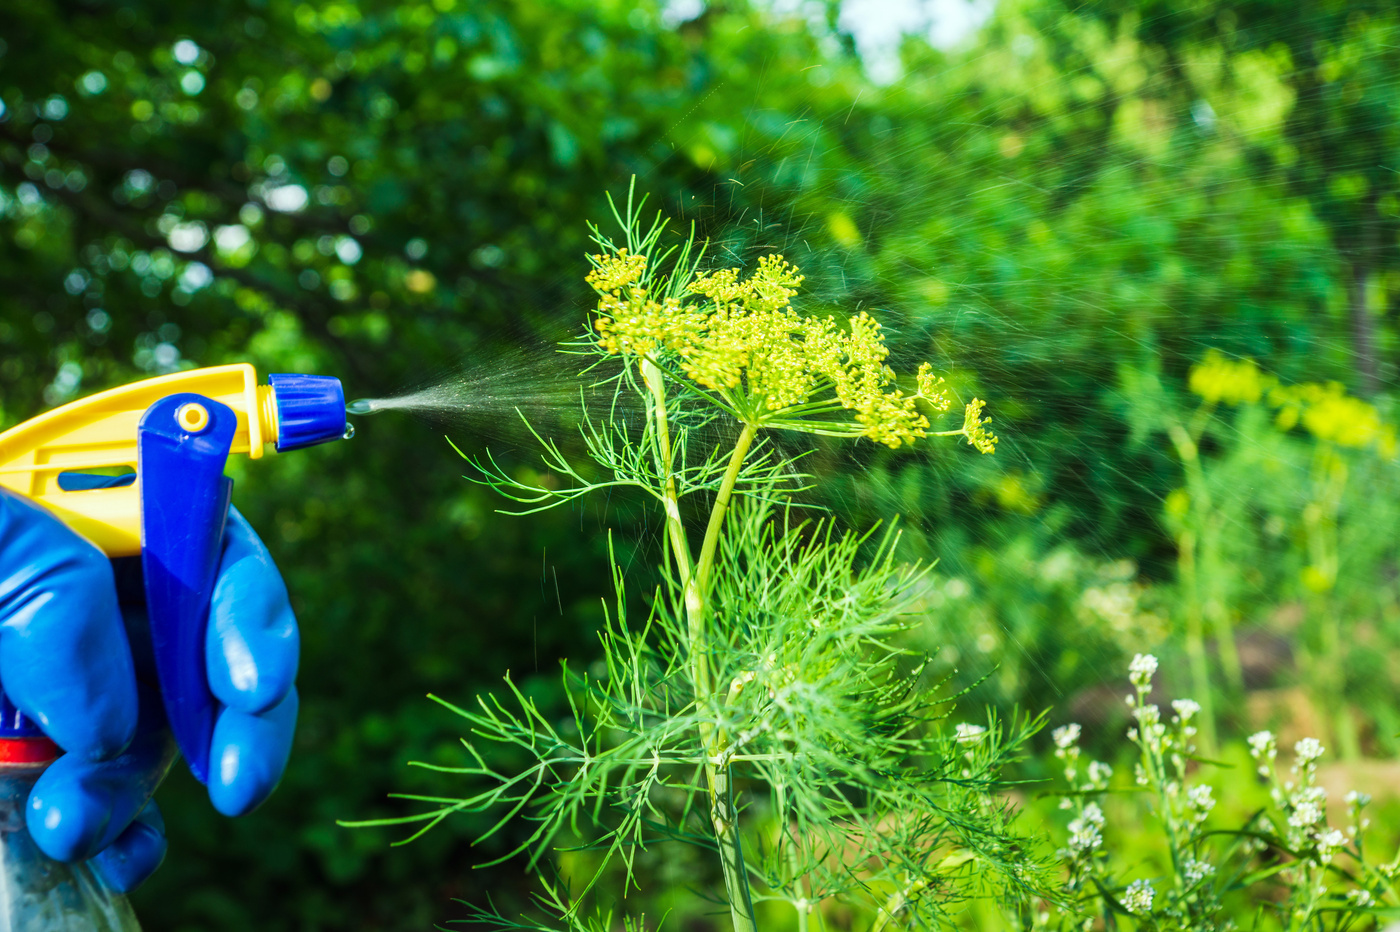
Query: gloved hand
x=75, y=657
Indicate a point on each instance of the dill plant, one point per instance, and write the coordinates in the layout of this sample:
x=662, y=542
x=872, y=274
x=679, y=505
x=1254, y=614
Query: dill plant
x=755, y=705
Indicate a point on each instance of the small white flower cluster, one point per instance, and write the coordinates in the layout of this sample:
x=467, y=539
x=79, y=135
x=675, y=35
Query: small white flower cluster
x=1150, y=729
x=1200, y=801
x=1356, y=802
x=1137, y=899
x=1308, y=751
x=1328, y=844
x=969, y=734
x=1305, y=804
x=1196, y=871
x=1308, y=805
x=1305, y=801
x=1185, y=708
x=1263, y=748
x=1066, y=739
x=1086, y=832
x=1142, y=668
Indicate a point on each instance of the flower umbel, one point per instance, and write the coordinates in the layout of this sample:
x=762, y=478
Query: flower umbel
x=739, y=339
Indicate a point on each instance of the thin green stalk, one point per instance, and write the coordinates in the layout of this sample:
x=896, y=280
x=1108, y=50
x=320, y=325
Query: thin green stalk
x=1195, y=641
x=1210, y=569
x=675, y=531
x=1329, y=477
x=726, y=490
x=723, y=813
x=897, y=901
x=802, y=903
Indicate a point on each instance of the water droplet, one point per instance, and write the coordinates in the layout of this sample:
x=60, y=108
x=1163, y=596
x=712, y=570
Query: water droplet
x=349, y=432
x=362, y=406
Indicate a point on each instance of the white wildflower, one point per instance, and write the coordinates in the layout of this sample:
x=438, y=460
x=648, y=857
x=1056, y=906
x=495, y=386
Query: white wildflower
x=1361, y=898
x=1200, y=800
x=1137, y=899
x=1084, y=832
x=1141, y=669
x=1263, y=748
x=969, y=734
x=1308, y=750
x=1329, y=843
x=1066, y=735
x=1185, y=708
x=1196, y=871
x=1099, y=774
x=1309, y=806
x=1358, y=799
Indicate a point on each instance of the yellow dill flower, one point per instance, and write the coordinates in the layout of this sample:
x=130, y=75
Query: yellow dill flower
x=772, y=366
x=636, y=324
x=1325, y=410
x=615, y=272
x=1218, y=379
x=931, y=388
x=977, y=435
x=1329, y=413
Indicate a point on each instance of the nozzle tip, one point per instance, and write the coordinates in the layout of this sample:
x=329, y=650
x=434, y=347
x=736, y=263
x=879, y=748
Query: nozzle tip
x=360, y=406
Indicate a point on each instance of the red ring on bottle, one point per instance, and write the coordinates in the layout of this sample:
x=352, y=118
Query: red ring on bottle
x=28, y=751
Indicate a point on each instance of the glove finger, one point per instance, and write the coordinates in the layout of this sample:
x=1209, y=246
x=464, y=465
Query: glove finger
x=252, y=647
x=248, y=755
x=78, y=807
x=64, y=658
x=126, y=863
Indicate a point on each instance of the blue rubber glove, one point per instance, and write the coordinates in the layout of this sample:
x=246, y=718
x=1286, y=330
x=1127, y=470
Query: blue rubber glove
x=75, y=657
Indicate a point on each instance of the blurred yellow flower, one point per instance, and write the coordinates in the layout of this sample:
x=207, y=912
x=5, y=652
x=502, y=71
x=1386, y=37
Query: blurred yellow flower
x=1329, y=413
x=1324, y=410
x=1218, y=379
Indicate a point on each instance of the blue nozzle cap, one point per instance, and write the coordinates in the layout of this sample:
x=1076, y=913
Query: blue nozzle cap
x=310, y=409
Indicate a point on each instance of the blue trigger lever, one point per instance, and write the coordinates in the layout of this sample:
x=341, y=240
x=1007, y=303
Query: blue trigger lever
x=183, y=443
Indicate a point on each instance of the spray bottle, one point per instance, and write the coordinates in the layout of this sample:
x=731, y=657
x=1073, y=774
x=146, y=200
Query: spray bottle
x=172, y=435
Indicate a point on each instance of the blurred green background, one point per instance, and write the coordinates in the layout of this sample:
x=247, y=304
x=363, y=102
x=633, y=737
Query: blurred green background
x=1064, y=205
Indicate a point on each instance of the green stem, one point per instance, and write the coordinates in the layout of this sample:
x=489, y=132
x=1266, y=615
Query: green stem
x=723, y=813
x=897, y=901
x=1211, y=602
x=1195, y=641
x=675, y=531
x=726, y=490
x=724, y=817
x=801, y=902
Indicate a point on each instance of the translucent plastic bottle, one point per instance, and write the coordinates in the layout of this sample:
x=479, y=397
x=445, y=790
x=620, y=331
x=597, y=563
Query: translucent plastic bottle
x=37, y=893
